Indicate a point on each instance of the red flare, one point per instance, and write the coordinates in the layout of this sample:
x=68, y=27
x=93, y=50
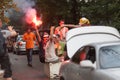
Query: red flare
x=36, y=21
x=31, y=18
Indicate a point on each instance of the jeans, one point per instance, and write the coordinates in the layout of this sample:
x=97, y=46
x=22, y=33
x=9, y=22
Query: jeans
x=29, y=55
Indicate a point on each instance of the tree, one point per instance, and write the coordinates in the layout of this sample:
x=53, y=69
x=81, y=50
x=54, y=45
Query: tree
x=5, y=5
x=102, y=12
x=99, y=12
x=52, y=10
x=74, y=11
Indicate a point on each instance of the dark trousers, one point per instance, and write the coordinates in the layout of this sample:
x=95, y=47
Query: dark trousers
x=5, y=65
x=29, y=55
x=41, y=53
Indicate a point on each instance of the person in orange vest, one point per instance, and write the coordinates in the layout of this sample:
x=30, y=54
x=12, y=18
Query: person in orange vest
x=61, y=30
x=29, y=37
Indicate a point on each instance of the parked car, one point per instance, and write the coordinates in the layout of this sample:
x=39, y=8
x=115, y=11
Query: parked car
x=19, y=46
x=102, y=54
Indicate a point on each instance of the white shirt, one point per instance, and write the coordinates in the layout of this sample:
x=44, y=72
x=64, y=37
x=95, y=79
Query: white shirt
x=50, y=55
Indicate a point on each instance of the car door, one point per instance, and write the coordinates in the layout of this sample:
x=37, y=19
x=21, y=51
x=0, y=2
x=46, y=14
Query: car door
x=90, y=55
x=83, y=73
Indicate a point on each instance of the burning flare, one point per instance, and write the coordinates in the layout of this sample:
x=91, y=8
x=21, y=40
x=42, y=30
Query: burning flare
x=31, y=17
x=36, y=21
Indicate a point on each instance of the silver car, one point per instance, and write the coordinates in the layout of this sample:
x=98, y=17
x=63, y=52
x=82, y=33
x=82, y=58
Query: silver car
x=19, y=46
x=101, y=46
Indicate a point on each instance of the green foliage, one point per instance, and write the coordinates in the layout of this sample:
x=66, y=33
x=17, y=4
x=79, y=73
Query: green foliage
x=52, y=10
x=100, y=12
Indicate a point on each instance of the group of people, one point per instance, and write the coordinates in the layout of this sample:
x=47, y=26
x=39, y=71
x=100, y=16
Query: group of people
x=51, y=45
x=48, y=44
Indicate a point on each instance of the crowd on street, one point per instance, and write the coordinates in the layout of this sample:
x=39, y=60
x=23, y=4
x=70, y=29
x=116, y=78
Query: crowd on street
x=52, y=45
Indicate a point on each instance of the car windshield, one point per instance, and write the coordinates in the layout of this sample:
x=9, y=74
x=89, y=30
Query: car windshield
x=19, y=37
x=110, y=56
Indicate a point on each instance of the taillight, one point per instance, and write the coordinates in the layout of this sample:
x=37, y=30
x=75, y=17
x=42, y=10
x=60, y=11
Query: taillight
x=20, y=43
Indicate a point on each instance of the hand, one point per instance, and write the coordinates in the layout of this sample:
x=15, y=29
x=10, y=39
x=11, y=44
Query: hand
x=52, y=28
x=10, y=28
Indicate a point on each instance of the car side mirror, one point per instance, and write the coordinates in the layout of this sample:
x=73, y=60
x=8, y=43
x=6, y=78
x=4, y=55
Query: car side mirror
x=87, y=64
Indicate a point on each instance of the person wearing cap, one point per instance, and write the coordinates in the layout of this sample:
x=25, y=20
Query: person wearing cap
x=84, y=21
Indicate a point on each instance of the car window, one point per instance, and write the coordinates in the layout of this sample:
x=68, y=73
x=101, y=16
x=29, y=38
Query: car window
x=22, y=39
x=110, y=56
x=91, y=55
x=19, y=37
x=85, y=53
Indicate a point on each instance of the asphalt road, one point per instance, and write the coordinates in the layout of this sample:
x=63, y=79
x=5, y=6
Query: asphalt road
x=23, y=72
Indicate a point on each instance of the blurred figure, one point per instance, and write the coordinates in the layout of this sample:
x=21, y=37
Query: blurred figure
x=84, y=53
x=45, y=38
x=4, y=58
x=84, y=22
x=29, y=37
x=41, y=42
x=57, y=44
x=61, y=31
x=11, y=39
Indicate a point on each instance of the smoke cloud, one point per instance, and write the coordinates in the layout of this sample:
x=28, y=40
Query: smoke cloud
x=24, y=5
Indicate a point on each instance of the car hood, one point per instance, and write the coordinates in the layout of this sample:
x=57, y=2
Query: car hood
x=114, y=73
x=79, y=37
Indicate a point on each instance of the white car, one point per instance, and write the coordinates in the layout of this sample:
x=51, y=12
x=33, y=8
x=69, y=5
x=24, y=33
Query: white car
x=102, y=48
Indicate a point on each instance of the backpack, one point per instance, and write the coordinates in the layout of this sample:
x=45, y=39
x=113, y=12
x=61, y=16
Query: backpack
x=2, y=43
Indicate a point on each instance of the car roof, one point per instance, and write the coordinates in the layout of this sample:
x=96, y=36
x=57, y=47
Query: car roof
x=79, y=37
x=92, y=29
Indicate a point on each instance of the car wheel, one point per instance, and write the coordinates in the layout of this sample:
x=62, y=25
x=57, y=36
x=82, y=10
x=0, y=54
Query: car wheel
x=61, y=78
